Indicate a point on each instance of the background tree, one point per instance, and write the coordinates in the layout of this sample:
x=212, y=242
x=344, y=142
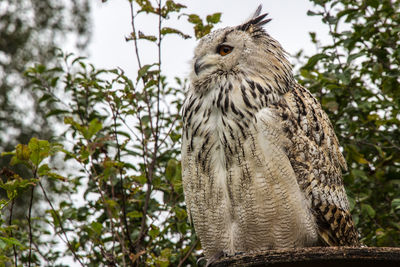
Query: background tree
x=31, y=31
x=356, y=78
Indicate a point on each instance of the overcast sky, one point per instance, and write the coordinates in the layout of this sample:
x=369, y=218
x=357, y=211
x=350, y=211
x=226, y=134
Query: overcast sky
x=290, y=26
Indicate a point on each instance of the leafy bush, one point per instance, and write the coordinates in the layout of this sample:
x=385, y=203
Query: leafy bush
x=356, y=78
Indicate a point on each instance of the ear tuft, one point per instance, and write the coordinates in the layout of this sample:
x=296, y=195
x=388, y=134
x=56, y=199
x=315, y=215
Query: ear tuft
x=255, y=21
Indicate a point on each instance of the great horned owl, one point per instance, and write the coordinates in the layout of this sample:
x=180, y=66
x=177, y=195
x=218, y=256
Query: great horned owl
x=260, y=159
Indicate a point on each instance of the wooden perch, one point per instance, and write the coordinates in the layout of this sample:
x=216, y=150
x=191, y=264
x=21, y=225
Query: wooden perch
x=317, y=256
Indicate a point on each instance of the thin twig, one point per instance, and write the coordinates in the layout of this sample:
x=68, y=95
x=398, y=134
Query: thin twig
x=30, y=226
x=134, y=33
x=107, y=208
x=129, y=128
x=155, y=134
x=188, y=253
x=11, y=232
x=333, y=37
x=40, y=253
x=143, y=79
x=61, y=226
x=137, y=242
x=145, y=162
x=169, y=131
x=121, y=240
x=125, y=222
x=159, y=78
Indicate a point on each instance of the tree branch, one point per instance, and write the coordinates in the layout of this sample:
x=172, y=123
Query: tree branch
x=125, y=222
x=181, y=262
x=30, y=225
x=11, y=232
x=134, y=32
x=61, y=226
x=316, y=256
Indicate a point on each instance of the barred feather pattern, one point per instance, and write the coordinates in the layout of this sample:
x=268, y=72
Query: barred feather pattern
x=261, y=164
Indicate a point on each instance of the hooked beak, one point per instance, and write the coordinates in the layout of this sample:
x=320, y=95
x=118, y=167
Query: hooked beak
x=200, y=66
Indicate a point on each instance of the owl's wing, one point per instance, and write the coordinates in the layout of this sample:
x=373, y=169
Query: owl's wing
x=313, y=151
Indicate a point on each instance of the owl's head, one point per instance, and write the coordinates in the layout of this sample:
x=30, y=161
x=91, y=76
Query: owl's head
x=246, y=49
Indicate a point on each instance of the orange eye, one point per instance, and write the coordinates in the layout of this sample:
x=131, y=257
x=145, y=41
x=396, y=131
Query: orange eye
x=223, y=50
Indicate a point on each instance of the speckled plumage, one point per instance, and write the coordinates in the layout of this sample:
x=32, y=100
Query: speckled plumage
x=261, y=163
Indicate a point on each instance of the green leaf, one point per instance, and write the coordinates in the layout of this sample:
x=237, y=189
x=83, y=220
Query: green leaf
x=214, y=18
x=150, y=38
x=141, y=179
x=154, y=232
x=373, y=3
x=39, y=150
x=167, y=30
x=3, y=203
x=77, y=60
x=368, y=210
x=312, y=61
x=134, y=214
x=56, y=176
x=171, y=6
x=22, y=152
x=145, y=6
x=10, y=241
x=55, y=112
x=355, y=155
x=12, y=186
x=70, y=121
x=396, y=204
x=360, y=174
x=97, y=227
x=7, y=153
x=180, y=213
x=94, y=127
x=40, y=68
x=352, y=202
x=195, y=19
x=352, y=57
x=84, y=153
x=56, y=222
x=144, y=70
x=2, y=243
x=43, y=169
x=312, y=13
x=170, y=169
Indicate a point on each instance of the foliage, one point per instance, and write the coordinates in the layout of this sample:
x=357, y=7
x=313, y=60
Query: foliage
x=121, y=148
x=356, y=78
x=30, y=31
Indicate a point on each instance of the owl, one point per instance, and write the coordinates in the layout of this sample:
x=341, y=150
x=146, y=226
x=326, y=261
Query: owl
x=261, y=164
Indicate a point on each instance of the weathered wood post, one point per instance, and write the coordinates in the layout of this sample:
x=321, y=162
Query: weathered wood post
x=318, y=257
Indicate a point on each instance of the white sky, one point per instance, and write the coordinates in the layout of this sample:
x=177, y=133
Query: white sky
x=290, y=26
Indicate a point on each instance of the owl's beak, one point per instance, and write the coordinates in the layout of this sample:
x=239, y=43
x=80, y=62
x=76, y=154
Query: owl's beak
x=199, y=66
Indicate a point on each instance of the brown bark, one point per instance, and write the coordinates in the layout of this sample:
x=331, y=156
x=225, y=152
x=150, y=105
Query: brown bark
x=317, y=256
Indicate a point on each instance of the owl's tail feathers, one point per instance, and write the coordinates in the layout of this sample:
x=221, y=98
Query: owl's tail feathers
x=326, y=238
x=337, y=229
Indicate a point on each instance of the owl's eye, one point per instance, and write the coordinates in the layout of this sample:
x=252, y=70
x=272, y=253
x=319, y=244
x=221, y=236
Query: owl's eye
x=223, y=50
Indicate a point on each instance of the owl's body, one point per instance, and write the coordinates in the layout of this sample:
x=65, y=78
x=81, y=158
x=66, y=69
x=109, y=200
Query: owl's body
x=261, y=163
